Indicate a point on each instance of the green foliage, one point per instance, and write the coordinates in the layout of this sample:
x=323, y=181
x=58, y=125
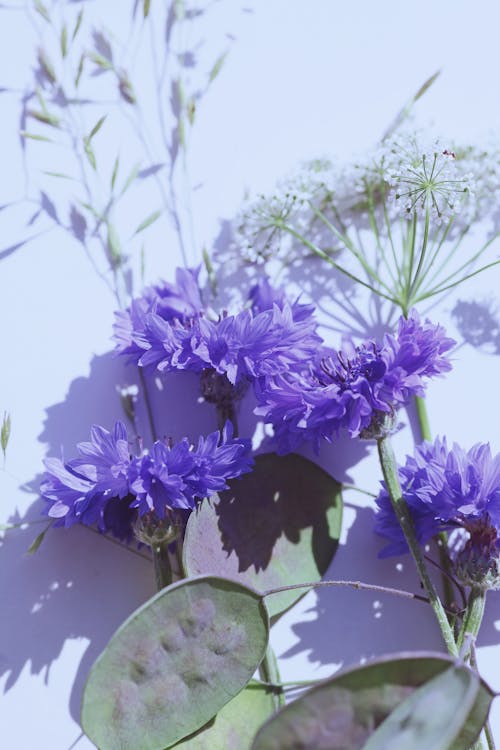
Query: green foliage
x=236, y=724
x=174, y=664
x=432, y=716
x=35, y=544
x=5, y=432
x=148, y=221
x=350, y=709
x=276, y=526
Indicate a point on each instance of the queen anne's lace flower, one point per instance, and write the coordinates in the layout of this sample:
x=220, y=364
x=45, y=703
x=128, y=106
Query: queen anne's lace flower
x=354, y=389
x=447, y=489
x=108, y=487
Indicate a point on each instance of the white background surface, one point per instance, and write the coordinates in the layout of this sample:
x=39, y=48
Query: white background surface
x=301, y=80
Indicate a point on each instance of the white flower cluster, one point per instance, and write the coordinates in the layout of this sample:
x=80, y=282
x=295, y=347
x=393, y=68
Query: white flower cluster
x=427, y=178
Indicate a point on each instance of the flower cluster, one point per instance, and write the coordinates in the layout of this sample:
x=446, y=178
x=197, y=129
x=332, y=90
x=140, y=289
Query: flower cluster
x=269, y=336
x=107, y=487
x=426, y=178
x=179, y=301
x=448, y=489
x=356, y=388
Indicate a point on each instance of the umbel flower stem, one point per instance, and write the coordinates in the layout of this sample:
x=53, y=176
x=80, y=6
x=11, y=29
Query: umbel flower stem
x=390, y=472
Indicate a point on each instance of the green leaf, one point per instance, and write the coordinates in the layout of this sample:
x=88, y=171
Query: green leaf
x=191, y=110
x=34, y=136
x=115, y=172
x=96, y=127
x=406, y=110
x=61, y=175
x=174, y=664
x=46, y=65
x=432, y=716
x=35, y=544
x=217, y=66
x=345, y=710
x=145, y=7
x=64, y=40
x=5, y=432
x=89, y=152
x=236, y=724
x=44, y=117
x=131, y=177
x=100, y=61
x=276, y=526
x=148, y=221
x=79, y=70
x=42, y=10
x=114, y=246
x=77, y=24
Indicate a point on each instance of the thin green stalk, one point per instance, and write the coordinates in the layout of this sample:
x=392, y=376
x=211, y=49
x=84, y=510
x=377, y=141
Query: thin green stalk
x=350, y=246
x=391, y=242
x=440, y=290
x=423, y=251
x=409, y=249
x=473, y=617
x=442, y=538
x=390, y=472
x=162, y=566
x=434, y=255
x=423, y=418
x=317, y=251
x=269, y=673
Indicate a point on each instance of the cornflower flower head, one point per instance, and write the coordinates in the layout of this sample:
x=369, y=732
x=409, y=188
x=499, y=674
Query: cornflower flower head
x=109, y=488
x=80, y=490
x=355, y=389
x=447, y=489
x=180, y=301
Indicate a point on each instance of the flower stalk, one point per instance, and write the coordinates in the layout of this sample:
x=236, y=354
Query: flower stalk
x=390, y=472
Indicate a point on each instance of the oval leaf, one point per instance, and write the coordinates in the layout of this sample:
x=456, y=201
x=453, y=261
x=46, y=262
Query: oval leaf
x=281, y=520
x=432, y=716
x=345, y=710
x=174, y=664
x=236, y=724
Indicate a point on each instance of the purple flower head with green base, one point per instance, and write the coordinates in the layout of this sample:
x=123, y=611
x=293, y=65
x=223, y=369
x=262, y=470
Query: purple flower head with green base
x=353, y=389
x=175, y=477
x=447, y=489
x=79, y=490
x=244, y=346
x=180, y=301
x=106, y=487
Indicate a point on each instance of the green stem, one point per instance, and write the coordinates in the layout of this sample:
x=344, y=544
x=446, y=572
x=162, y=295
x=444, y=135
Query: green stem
x=162, y=566
x=442, y=538
x=269, y=672
x=423, y=418
x=390, y=472
x=472, y=618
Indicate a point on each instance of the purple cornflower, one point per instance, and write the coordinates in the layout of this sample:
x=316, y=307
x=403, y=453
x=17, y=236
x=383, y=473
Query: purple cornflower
x=447, y=489
x=247, y=345
x=355, y=388
x=105, y=486
x=79, y=490
x=180, y=301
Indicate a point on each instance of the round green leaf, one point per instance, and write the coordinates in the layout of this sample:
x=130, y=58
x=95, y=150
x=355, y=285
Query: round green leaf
x=236, y=724
x=174, y=664
x=283, y=517
x=343, y=712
